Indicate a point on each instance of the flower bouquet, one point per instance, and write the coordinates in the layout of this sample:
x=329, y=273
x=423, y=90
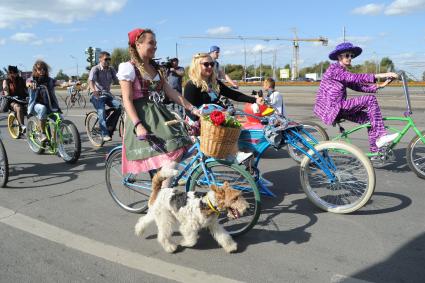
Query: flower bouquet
x=219, y=134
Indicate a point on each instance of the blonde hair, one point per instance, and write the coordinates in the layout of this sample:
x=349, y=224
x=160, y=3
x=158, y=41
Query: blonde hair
x=269, y=83
x=195, y=74
x=135, y=58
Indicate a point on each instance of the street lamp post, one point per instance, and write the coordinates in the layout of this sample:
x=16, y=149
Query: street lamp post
x=76, y=62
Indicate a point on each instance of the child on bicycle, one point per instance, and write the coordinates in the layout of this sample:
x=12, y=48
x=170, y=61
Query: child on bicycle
x=14, y=85
x=332, y=103
x=41, y=102
x=274, y=97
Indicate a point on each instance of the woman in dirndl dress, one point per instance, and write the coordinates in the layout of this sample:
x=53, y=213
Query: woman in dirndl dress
x=148, y=143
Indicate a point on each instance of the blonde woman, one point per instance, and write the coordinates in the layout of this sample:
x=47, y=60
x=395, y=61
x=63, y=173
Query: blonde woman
x=204, y=88
x=148, y=144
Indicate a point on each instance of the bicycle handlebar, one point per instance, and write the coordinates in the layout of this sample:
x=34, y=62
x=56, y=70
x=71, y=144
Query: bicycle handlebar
x=15, y=98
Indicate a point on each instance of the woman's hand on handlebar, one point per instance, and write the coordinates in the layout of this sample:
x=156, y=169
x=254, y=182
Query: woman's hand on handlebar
x=389, y=75
x=141, y=132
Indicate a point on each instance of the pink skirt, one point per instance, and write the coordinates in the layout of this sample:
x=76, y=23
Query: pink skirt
x=138, y=166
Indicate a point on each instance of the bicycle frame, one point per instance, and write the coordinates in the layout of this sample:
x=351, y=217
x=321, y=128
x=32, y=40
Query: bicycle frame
x=407, y=119
x=255, y=141
x=53, y=119
x=188, y=169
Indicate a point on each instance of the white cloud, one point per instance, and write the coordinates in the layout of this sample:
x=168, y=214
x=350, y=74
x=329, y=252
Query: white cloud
x=23, y=37
x=219, y=30
x=2, y=41
x=399, y=7
x=30, y=38
x=369, y=9
x=63, y=11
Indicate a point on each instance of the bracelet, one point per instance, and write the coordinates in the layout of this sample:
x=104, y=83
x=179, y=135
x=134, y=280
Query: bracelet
x=136, y=124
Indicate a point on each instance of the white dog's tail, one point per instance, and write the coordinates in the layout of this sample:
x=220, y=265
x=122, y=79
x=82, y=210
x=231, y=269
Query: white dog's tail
x=157, y=180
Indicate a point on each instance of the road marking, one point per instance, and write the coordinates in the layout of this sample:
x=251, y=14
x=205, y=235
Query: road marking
x=338, y=278
x=111, y=253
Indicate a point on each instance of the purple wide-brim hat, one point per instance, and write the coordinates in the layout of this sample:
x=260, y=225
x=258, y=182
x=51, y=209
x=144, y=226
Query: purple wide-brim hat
x=345, y=47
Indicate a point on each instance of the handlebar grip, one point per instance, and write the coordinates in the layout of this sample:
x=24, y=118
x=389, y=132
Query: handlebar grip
x=172, y=122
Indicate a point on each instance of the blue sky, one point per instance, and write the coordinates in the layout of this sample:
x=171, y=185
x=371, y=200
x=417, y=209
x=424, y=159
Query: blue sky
x=59, y=31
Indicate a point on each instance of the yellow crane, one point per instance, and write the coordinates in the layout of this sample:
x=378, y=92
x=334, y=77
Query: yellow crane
x=295, y=41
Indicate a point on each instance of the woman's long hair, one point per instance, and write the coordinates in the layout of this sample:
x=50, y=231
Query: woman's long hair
x=40, y=64
x=135, y=58
x=195, y=74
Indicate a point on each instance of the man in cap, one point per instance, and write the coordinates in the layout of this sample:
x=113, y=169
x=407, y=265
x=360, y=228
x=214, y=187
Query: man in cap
x=221, y=75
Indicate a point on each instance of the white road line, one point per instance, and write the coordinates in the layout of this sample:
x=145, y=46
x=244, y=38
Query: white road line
x=338, y=278
x=111, y=253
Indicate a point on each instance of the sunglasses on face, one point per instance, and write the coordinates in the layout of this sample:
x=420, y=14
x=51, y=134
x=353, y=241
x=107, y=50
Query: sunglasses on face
x=348, y=55
x=208, y=64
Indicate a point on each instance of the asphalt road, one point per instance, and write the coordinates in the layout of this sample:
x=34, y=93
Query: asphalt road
x=59, y=224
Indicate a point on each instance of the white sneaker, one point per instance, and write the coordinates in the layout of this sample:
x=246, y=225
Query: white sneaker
x=242, y=156
x=107, y=138
x=385, y=140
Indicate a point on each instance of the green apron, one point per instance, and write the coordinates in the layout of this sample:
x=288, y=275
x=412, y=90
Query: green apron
x=168, y=138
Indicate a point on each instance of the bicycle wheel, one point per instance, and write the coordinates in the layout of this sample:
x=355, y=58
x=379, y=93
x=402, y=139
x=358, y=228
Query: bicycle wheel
x=131, y=192
x=416, y=156
x=68, y=102
x=354, y=174
x=239, y=179
x=93, y=129
x=4, y=166
x=13, y=126
x=69, y=142
x=81, y=101
x=308, y=131
x=33, y=136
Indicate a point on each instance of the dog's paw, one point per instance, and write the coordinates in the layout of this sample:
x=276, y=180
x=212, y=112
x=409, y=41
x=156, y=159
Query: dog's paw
x=187, y=243
x=170, y=248
x=231, y=247
x=139, y=229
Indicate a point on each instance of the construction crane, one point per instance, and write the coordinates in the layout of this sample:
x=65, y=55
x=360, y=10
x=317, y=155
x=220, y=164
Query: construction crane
x=295, y=41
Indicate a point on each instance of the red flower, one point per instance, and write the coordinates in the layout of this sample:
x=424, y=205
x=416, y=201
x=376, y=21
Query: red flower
x=217, y=117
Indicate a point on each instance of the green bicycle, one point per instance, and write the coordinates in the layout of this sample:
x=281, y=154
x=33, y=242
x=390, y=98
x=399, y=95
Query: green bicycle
x=415, y=152
x=62, y=137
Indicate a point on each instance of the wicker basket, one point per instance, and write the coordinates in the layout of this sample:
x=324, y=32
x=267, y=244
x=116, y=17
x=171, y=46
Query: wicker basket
x=218, y=141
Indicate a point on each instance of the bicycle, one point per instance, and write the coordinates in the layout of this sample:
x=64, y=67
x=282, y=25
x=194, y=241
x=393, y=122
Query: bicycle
x=13, y=126
x=4, y=165
x=415, y=151
x=198, y=172
x=63, y=137
x=75, y=97
x=336, y=176
x=92, y=125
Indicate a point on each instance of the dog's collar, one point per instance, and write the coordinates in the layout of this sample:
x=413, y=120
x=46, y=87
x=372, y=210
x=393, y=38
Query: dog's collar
x=211, y=206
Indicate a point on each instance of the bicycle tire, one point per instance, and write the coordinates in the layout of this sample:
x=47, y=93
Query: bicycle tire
x=130, y=199
x=64, y=139
x=319, y=134
x=93, y=130
x=415, y=164
x=341, y=196
x=68, y=102
x=13, y=126
x=4, y=166
x=243, y=224
x=81, y=101
x=32, y=136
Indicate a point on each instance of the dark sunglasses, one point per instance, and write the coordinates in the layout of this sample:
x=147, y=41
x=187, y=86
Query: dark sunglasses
x=107, y=59
x=208, y=64
x=348, y=55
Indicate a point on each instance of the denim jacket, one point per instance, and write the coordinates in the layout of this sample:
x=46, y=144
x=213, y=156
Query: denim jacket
x=34, y=93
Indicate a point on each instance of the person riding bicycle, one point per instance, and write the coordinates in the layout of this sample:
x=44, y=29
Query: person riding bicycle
x=332, y=103
x=100, y=79
x=204, y=88
x=148, y=143
x=74, y=89
x=14, y=85
x=42, y=102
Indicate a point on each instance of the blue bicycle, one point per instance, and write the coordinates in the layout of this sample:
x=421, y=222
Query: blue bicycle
x=197, y=173
x=336, y=176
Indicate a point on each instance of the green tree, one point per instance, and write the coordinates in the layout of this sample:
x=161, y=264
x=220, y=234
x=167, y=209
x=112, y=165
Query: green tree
x=386, y=65
x=62, y=76
x=90, y=58
x=84, y=77
x=118, y=56
x=423, y=76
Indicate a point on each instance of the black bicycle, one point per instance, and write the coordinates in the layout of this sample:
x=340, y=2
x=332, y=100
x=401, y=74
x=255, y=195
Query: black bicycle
x=4, y=166
x=114, y=117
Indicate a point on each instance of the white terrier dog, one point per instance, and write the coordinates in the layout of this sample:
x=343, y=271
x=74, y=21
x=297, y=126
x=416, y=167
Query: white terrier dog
x=168, y=206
